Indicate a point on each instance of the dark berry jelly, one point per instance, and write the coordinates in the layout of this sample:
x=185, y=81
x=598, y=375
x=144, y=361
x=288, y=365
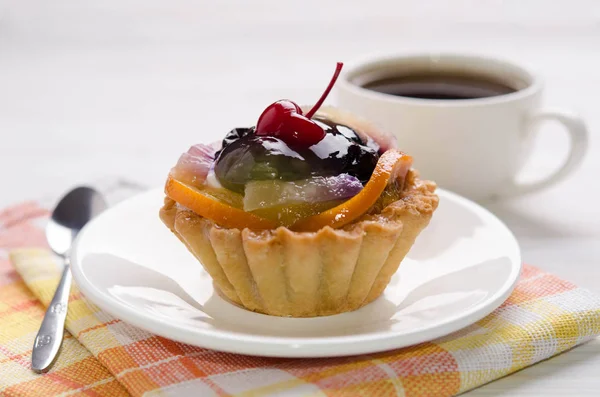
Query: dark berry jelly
x=246, y=156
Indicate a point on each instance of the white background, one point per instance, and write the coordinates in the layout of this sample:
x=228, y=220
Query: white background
x=90, y=89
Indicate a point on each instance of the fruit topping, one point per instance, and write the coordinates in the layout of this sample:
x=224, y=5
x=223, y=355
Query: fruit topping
x=392, y=166
x=218, y=208
x=258, y=158
x=287, y=215
x=284, y=120
x=288, y=146
x=224, y=207
x=194, y=165
x=266, y=194
x=252, y=158
x=303, y=170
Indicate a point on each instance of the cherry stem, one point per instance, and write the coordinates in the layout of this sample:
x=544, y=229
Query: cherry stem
x=338, y=69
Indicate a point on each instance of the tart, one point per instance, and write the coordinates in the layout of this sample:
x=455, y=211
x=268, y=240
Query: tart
x=309, y=213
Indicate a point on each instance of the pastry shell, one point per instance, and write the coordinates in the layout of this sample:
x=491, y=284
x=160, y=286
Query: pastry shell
x=306, y=274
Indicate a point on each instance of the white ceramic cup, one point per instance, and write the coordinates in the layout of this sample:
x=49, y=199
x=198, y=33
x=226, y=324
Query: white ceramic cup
x=475, y=147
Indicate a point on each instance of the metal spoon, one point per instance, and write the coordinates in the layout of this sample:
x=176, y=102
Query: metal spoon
x=73, y=211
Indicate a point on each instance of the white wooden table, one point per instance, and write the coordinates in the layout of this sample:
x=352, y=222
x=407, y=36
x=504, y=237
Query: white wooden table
x=90, y=89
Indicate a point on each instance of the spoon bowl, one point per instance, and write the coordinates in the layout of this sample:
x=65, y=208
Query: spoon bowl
x=71, y=214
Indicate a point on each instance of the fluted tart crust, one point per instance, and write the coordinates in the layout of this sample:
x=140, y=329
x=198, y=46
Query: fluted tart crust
x=306, y=274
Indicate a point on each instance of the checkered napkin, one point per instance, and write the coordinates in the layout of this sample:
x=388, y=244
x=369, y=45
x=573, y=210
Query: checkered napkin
x=104, y=356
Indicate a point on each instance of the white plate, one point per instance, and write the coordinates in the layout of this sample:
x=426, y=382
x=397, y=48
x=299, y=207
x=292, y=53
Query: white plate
x=129, y=264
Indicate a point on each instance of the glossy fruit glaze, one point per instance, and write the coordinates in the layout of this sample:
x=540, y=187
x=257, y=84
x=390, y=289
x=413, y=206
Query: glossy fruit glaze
x=246, y=156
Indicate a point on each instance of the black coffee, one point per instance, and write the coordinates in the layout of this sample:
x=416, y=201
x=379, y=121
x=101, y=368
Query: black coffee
x=439, y=86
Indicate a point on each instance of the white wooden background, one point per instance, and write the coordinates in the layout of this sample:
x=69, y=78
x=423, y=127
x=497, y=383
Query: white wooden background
x=94, y=88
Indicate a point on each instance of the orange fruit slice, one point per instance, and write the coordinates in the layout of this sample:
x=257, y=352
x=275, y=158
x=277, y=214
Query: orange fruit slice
x=215, y=208
x=391, y=164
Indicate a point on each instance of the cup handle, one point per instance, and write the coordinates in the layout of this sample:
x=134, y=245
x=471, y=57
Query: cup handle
x=578, y=135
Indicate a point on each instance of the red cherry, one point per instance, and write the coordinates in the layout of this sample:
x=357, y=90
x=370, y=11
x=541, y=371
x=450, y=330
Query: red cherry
x=300, y=131
x=284, y=120
x=274, y=117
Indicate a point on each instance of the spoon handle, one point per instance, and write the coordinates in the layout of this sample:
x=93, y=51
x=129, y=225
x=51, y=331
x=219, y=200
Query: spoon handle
x=50, y=336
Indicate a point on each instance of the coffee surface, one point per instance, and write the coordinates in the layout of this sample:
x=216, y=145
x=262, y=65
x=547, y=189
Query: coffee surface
x=439, y=86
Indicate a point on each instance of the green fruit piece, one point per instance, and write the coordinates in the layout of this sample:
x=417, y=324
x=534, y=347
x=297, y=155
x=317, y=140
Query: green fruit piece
x=287, y=215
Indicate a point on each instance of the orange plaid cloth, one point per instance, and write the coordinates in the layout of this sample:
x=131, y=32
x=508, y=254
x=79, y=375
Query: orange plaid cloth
x=107, y=357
